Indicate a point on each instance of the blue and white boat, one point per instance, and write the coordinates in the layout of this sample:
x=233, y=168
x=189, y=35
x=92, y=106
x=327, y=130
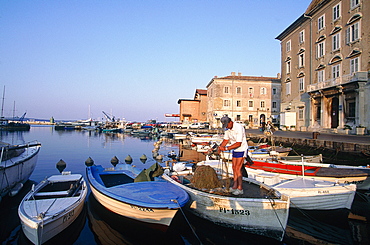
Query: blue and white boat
x=137, y=194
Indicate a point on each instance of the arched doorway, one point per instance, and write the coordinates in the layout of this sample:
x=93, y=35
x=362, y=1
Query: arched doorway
x=334, y=112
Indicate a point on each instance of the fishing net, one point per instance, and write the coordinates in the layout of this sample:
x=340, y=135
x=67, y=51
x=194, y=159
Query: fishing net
x=205, y=177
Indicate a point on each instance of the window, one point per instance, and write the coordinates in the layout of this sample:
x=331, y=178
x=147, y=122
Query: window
x=263, y=91
x=354, y=3
x=320, y=22
x=288, y=67
x=301, y=60
x=336, y=41
x=226, y=103
x=250, y=92
x=274, y=104
x=301, y=37
x=301, y=84
x=238, y=90
x=353, y=33
x=274, y=91
x=336, y=71
x=250, y=103
x=336, y=12
x=320, y=76
x=262, y=104
x=226, y=90
x=300, y=114
x=320, y=49
x=354, y=65
x=288, y=46
x=238, y=103
x=287, y=88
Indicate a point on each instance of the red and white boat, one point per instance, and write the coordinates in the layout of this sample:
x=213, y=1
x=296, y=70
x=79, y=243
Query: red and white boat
x=359, y=175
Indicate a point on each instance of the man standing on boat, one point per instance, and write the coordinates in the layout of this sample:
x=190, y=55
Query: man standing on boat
x=237, y=142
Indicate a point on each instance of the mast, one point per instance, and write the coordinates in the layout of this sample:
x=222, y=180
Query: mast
x=2, y=105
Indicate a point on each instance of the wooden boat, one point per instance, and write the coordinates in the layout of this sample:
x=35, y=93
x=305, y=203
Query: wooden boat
x=304, y=193
x=121, y=190
x=358, y=175
x=260, y=210
x=16, y=166
x=52, y=206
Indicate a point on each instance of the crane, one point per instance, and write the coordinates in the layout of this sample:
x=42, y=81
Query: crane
x=108, y=117
x=22, y=117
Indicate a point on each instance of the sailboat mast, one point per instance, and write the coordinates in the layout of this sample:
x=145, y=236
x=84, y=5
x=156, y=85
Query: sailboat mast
x=2, y=105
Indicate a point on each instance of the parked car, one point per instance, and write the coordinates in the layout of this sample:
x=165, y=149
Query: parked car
x=197, y=125
x=183, y=125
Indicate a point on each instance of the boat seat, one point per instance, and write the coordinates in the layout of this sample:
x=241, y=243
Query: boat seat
x=51, y=193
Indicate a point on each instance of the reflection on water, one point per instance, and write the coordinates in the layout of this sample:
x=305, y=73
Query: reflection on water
x=105, y=227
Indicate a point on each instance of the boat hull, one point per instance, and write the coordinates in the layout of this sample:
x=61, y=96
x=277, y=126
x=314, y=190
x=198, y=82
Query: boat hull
x=261, y=216
x=321, y=171
x=59, y=213
x=18, y=169
x=143, y=214
x=153, y=202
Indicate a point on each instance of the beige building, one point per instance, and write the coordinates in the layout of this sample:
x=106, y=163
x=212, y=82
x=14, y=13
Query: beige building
x=325, y=65
x=194, y=110
x=243, y=98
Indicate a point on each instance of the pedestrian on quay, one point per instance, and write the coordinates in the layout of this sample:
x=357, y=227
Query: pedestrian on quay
x=235, y=141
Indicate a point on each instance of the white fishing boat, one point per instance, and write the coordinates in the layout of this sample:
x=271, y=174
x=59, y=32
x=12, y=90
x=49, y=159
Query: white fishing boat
x=16, y=166
x=305, y=193
x=52, y=206
x=259, y=210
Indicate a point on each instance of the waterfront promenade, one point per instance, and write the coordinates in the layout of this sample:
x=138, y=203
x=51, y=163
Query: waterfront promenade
x=331, y=141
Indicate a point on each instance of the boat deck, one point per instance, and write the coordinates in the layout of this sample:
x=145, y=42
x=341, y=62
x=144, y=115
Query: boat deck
x=250, y=189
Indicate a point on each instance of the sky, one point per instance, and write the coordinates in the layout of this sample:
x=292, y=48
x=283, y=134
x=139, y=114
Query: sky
x=132, y=59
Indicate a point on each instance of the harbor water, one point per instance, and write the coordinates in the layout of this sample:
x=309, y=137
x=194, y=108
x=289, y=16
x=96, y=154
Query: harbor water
x=97, y=225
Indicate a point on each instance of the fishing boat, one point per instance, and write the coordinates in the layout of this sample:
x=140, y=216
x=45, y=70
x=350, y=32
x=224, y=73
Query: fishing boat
x=136, y=194
x=359, y=175
x=51, y=206
x=260, y=210
x=16, y=166
x=304, y=193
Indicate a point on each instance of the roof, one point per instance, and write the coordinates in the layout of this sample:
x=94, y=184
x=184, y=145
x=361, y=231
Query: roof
x=201, y=91
x=247, y=78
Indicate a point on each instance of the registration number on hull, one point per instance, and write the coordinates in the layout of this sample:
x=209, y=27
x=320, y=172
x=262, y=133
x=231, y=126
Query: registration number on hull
x=235, y=211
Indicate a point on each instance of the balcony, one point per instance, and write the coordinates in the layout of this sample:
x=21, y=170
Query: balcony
x=357, y=77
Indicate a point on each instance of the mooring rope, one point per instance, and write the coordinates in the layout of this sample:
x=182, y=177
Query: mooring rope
x=186, y=219
x=272, y=202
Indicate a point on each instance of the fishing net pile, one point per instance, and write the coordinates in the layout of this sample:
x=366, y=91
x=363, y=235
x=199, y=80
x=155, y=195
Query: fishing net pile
x=205, y=177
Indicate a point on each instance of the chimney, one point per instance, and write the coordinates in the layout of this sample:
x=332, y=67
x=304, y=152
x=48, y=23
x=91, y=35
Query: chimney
x=232, y=73
x=239, y=74
x=215, y=77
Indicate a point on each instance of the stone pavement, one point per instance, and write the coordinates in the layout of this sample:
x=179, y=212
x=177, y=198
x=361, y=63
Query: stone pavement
x=345, y=138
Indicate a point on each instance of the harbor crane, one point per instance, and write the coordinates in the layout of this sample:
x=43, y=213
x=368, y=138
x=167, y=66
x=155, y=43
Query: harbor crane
x=108, y=117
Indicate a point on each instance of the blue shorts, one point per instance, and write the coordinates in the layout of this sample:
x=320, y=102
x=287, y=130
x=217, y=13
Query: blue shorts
x=239, y=154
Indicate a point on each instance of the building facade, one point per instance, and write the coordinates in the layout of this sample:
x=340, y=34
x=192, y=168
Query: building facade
x=325, y=65
x=194, y=110
x=243, y=98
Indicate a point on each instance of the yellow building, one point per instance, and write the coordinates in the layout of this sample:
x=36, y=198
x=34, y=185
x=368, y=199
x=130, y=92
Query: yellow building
x=243, y=98
x=194, y=110
x=325, y=65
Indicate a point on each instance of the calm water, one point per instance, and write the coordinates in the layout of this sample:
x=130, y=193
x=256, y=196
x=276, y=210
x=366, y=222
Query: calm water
x=96, y=225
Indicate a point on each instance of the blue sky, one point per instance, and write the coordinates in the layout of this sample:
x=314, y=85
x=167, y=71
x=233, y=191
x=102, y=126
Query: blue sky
x=133, y=59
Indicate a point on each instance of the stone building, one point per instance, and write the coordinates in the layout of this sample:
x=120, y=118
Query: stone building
x=325, y=65
x=243, y=98
x=194, y=110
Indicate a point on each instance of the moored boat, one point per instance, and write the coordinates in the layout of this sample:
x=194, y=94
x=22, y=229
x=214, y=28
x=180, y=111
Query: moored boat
x=52, y=206
x=304, y=193
x=16, y=166
x=359, y=175
x=259, y=210
x=136, y=194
